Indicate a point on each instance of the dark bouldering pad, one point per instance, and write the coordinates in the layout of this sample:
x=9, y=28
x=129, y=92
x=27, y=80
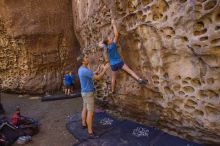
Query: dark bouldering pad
x=164, y=139
x=122, y=133
x=60, y=96
x=126, y=134
x=102, y=123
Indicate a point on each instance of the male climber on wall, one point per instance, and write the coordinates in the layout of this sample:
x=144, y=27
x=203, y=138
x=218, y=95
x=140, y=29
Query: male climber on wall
x=116, y=63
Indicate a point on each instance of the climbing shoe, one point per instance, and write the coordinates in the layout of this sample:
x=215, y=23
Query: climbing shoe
x=92, y=136
x=142, y=82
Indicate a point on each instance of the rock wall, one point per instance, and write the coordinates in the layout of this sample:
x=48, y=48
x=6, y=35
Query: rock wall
x=175, y=44
x=37, y=43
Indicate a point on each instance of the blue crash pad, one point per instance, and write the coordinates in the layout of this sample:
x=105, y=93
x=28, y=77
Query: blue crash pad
x=126, y=134
x=101, y=124
x=114, y=132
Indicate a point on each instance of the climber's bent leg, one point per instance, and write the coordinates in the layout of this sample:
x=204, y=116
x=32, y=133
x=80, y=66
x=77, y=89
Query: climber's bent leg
x=133, y=74
x=113, y=81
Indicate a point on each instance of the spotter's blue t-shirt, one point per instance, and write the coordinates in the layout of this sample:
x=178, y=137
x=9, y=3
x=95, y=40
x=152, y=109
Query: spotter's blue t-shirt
x=85, y=77
x=113, y=55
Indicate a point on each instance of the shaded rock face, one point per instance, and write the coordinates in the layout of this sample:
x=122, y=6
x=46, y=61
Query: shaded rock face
x=173, y=44
x=37, y=43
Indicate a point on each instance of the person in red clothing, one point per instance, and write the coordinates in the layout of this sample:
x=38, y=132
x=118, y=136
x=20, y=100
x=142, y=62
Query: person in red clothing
x=16, y=117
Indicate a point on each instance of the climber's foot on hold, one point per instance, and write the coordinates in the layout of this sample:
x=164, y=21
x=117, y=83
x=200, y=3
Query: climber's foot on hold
x=142, y=82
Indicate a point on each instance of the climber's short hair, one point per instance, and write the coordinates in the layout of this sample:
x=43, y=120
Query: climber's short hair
x=105, y=40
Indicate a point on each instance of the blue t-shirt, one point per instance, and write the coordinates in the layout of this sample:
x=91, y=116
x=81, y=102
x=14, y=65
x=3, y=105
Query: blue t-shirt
x=113, y=55
x=85, y=77
x=68, y=79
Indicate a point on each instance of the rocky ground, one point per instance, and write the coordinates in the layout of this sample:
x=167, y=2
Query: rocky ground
x=52, y=116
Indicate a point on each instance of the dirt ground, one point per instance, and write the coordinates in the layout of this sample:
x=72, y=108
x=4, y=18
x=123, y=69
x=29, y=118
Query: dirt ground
x=52, y=115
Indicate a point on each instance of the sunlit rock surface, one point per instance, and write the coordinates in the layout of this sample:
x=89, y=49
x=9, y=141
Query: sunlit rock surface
x=37, y=43
x=175, y=45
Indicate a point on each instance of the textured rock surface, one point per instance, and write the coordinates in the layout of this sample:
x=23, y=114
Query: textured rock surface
x=37, y=43
x=176, y=46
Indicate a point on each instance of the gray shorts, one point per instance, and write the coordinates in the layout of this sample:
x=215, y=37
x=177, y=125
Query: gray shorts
x=88, y=101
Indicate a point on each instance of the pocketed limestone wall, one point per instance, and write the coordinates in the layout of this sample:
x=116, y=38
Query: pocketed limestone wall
x=175, y=44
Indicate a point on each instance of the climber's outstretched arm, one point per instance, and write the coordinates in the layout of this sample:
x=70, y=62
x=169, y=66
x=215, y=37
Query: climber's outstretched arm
x=99, y=76
x=115, y=31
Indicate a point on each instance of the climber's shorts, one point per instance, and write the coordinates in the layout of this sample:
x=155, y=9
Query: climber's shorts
x=117, y=66
x=88, y=101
